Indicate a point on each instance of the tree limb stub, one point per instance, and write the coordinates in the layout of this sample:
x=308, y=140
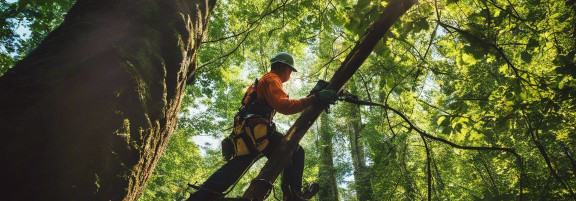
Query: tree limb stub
x=353, y=61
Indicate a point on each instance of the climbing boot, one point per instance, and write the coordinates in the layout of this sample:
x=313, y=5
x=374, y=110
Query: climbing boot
x=203, y=195
x=291, y=195
x=310, y=190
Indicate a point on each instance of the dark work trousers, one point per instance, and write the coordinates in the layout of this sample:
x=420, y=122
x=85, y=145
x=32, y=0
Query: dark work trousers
x=231, y=172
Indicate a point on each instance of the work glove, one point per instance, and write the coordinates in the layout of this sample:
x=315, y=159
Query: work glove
x=320, y=85
x=327, y=96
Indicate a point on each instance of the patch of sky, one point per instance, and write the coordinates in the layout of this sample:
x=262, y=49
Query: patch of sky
x=440, y=33
x=22, y=30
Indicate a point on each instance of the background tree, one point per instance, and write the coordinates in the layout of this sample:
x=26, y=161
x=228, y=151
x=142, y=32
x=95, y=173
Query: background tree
x=87, y=114
x=327, y=172
x=362, y=173
x=24, y=24
x=469, y=74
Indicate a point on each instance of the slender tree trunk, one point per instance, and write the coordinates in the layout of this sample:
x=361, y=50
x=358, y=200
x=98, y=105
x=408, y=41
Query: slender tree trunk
x=542, y=149
x=260, y=186
x=492, y=181
x=361, y=172
x=409, y=183
x=87, y=114
x=327, y=172
x=568, y=155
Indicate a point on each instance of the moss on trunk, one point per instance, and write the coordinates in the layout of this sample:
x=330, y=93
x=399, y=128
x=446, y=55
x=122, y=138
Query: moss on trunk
x=87, y=114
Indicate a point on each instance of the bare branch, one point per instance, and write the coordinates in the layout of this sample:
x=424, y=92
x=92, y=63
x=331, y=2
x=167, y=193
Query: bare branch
x=330, y=61
x=424, y=134
x=251, y=24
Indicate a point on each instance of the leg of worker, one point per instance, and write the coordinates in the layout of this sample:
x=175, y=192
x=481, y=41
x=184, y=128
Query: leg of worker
x=223, y=178
x=292, y=175
x=274, y=139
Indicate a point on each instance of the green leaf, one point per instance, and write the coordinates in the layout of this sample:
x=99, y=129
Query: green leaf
x=476, y=51
x=362, y=4
x=564, y=81
x=527, y=57
x=444, y=121
x=421, y=24
x=451, y=1
x=22, y=4
x=446, y=130
x=532, y=43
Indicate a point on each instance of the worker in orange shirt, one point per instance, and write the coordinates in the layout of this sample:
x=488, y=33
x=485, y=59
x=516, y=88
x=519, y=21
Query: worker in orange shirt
x=255, y=134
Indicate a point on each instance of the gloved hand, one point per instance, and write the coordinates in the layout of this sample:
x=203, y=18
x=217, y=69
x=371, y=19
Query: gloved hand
x=320, y=85
x=327, y=96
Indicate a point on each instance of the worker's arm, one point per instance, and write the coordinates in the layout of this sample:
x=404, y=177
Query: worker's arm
x=274, y=93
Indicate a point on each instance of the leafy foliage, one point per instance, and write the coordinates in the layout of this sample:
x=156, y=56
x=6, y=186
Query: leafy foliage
x=474, y=73
x=24, y=24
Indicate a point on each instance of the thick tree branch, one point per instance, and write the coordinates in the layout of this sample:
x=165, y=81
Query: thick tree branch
x=260, y=186
x=509, y=150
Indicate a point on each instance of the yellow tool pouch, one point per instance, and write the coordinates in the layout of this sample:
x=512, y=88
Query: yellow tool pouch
x=248, y=136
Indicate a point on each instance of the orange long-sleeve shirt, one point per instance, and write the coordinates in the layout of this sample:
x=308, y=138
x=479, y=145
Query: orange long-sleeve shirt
x=270, y=88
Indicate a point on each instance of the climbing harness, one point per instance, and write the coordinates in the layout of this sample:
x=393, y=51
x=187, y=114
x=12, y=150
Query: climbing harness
x=250, y=132
x=248, y=136
x=252, y=126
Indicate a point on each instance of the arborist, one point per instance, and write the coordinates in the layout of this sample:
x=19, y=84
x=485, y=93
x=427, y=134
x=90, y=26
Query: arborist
x=254, y=133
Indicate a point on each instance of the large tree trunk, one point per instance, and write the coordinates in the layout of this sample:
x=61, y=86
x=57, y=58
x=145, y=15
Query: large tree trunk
x=87, y=114
x=362, y=183
x=260, y=186
x=327, y=172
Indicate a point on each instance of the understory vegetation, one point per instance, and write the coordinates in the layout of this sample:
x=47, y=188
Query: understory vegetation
x=480, y=96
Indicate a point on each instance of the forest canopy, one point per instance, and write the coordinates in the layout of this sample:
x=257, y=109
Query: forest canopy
x=480, y=95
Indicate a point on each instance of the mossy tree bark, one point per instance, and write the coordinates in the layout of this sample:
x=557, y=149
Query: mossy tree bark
x=327, y=172
x=87, y=114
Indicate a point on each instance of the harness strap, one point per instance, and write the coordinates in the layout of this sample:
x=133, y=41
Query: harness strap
x=253, y=94
x=253, y=107
x=249, y=143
